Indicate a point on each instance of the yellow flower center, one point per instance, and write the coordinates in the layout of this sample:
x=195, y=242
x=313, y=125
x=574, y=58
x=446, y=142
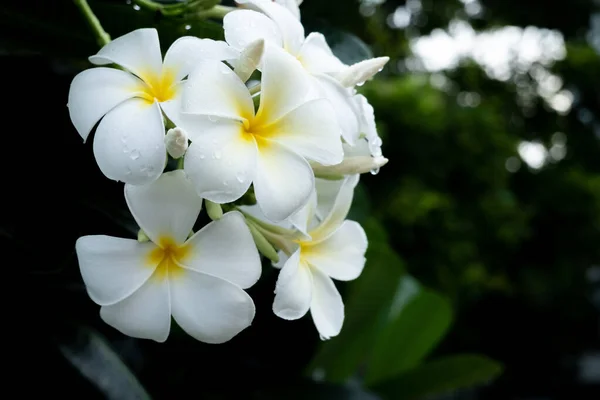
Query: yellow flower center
x=158, y=87
x=167, y=257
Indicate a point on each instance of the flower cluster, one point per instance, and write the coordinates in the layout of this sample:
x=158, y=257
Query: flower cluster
x=269, y=132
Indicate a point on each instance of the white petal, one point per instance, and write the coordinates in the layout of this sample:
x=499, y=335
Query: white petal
x=172, y=107
x=167, y=207
x=304, y=219
x=312, y=131
x=225, y=249
x=95, y=92
x=345, y=108
x=293, y=290
x=214, y=89
x=326, y=307
x=291, y=6
x=129, y=143
x=146, y=314
x=221, y=163
x=243, y=27
x=290, y=27
x=283, y=181
x=186, y=52
x=277, y=98
x=138, y=51
x=339, y=211
x=359, y=149
x=366, y=117
x=342, y=255
x=113, y=268
x=208, y=308
x=327, y=191
x=316, y=56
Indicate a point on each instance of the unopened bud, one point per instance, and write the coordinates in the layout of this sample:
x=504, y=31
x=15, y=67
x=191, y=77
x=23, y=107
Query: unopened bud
x=350, y=166
x=176, y=142
x=213, y=210
x=249, y=59
x=142, y=237
x=262, y=244
x=359, y=73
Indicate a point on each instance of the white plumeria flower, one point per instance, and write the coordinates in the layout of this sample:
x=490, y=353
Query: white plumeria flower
x=278, y=25
x=198, y=281
x=234, y=147
x=129, y=143
x=334, y=249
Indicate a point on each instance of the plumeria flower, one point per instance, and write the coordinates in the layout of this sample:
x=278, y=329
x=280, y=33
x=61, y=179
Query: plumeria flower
x=335, y=248
x=279, y=26
x=129, y=102
x=198, y=281
x=233, y=146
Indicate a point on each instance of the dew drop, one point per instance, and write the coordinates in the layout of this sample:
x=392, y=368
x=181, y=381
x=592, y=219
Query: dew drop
x=217, y=155
x=240, y=177
x=212, y=118
x=135, y=154
x=225, y=183
x=374, y=171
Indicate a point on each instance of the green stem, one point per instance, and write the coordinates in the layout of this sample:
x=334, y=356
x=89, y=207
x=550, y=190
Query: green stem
x=102, y=37
x=255, y=89
x=217, y=12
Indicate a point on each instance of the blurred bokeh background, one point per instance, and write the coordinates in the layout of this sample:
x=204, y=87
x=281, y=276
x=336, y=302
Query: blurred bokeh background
x=483, y=273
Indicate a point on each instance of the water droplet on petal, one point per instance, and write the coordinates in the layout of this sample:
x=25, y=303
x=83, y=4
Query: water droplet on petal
x=240, y=177
x=217, y=155
x=201, y=156
x=135, y=154
x=374, y=171
x=212, y=118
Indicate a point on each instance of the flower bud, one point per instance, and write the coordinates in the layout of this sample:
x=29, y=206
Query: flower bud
x=249, y=59
x=350, y=166
x=176, y=142
x=359, y=73
x=214, y=210
x=262, y=244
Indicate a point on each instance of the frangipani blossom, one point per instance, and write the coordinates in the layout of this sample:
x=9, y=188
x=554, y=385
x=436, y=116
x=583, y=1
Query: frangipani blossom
x=198, y=281
x=233, y=146
x=334, y=249
x=129, y=142
x=279, y=26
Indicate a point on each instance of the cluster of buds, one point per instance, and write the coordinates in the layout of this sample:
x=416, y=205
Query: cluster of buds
x=270, y=135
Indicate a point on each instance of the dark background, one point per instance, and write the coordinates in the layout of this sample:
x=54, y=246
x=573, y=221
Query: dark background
x=498, y=257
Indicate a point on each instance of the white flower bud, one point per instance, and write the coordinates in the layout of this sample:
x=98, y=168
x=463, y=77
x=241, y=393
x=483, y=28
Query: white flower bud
x=176, y=142
x=350, y=166
x=249, y=59
x=359, y=73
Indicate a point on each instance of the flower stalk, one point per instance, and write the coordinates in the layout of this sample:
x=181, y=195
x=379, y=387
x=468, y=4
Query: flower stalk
x=102, y=38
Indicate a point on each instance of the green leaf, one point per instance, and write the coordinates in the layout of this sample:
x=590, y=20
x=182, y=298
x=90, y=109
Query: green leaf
x=440, y=376
x=417, y=323
x=367, y=303
x=96, y=361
